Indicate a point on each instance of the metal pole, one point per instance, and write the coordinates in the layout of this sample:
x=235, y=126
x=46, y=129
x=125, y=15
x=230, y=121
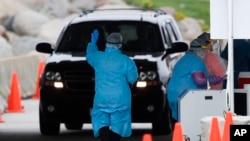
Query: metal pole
x=230, y=76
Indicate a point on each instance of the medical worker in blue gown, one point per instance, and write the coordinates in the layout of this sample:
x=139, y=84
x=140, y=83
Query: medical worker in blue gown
x=188, y=73
x=114, y=72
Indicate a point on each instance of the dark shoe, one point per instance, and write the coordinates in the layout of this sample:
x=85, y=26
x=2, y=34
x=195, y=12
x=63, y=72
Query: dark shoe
x=105, y=134
x=115, y=136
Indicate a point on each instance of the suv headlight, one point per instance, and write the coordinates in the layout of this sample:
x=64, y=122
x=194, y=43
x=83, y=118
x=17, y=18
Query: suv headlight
x=53, y=76
x=53, y=79
x=143, y=76
x=147, y=78
x=150, y=75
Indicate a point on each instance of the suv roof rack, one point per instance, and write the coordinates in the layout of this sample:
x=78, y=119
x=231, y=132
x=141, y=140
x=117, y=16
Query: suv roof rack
x=157, y=11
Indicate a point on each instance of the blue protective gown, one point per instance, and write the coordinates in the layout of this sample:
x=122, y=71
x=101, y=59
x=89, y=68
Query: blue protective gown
x=112, y=103
x=182, y=80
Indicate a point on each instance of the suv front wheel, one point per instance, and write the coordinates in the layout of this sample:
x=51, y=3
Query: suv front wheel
x=47, y=127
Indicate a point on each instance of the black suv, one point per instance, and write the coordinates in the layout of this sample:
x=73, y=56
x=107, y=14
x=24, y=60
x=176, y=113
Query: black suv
x=67, y=83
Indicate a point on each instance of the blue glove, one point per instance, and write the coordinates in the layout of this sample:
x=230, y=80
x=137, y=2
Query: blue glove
x=94, y=36
x=214, y=79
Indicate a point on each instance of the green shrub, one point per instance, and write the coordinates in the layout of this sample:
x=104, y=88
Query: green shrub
x=179, y=16
x=147, y=4
x=199, y=9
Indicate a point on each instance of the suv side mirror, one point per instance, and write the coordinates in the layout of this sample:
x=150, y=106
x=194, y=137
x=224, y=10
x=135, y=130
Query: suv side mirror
x=176, y=47
x=44, y=48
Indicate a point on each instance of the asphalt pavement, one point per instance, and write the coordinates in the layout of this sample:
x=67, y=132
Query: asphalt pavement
x=24, y=126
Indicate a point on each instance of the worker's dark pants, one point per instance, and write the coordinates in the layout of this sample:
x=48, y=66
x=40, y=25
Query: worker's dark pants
x=107, y=135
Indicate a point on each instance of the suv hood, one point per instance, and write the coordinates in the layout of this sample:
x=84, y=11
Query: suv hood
x=59, y=57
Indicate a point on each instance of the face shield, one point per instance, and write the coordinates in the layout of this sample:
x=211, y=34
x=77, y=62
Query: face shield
x=197, y=45
x=216, y=46
x=114, y=40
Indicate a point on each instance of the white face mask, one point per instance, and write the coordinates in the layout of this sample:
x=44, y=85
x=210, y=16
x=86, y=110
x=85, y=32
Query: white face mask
x=216, y=47
x=202, y=54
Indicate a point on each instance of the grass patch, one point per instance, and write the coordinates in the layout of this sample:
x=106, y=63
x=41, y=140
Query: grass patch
x=199, y=9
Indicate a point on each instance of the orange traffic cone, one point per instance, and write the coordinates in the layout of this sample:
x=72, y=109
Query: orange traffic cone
x=147, y=137
x=1, y=118
x=37, y=89
x=14, y=100
x=177, y=133
x=215, y=130
x=226, y=130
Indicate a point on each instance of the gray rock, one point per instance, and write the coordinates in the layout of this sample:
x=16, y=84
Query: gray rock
x=28, y=22
x=10, y=7
x=83, y=4
x=25, y=44
x=190, y=28
x=52, y=8
x=3, y=33
x=8, y=22
x=52, y=29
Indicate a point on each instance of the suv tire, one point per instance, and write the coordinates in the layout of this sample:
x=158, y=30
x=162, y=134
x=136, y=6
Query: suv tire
x=46, y=127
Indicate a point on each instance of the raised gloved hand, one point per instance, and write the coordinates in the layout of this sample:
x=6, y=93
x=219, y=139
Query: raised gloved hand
x=94, y=36
x=212, y=79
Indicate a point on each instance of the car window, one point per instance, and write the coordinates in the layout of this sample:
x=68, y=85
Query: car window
x=166, y=37
x=77, y=36
x=171, y=32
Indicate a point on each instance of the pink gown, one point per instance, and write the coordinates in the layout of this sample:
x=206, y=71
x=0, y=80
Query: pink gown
x=215, y=66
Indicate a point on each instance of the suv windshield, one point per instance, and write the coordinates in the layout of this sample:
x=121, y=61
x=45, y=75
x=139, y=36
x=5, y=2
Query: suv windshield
x=137, y=36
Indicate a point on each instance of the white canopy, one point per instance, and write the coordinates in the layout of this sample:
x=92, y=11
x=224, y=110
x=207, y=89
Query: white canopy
x=229, y=20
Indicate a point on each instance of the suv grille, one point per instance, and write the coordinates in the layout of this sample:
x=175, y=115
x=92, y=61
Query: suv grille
x=80, y=80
